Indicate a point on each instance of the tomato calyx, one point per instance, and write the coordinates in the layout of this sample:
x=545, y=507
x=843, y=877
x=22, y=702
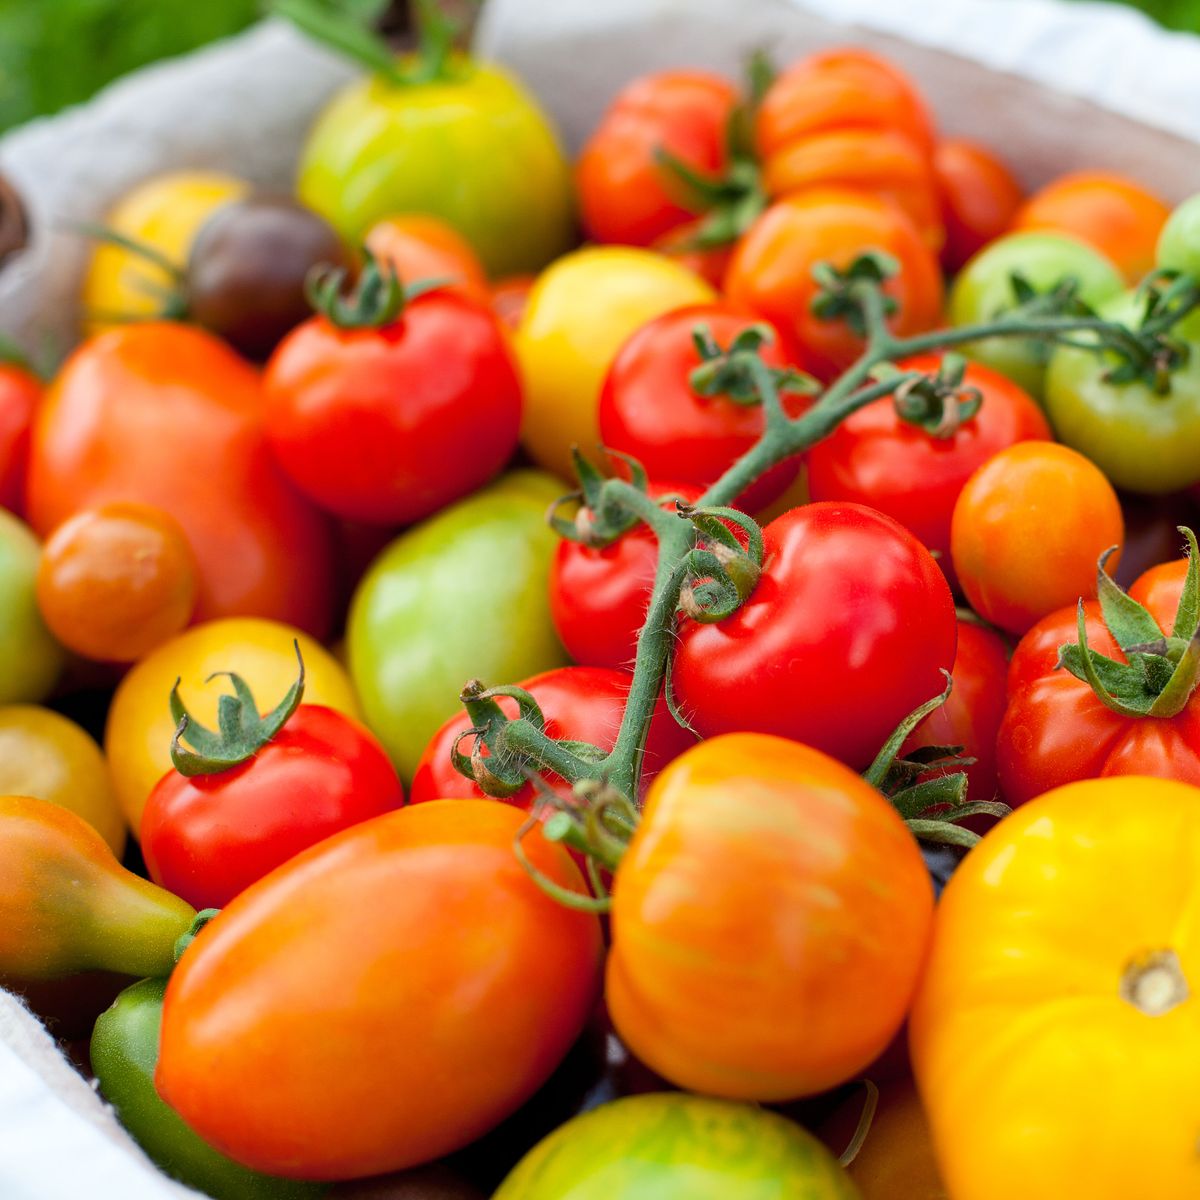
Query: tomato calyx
x=938, y=403
x=184, y=940
x=1162, y=671
x=843, y=292
x=728, y=373
x=172, y=299
x=242, y=733
x=719, y=572
x=601, y=517
x=377, y=297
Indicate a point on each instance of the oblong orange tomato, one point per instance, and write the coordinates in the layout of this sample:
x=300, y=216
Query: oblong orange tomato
x=382, y=999
x=769, y=921
x=1056, y=1033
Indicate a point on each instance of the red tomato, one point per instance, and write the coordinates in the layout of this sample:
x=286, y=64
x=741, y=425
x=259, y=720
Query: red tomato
x=388, y=425
x=167, y=415
x=649, y=410
x=876, y=458
x=625, y=194
x=709, y=262
x=421, y=247
x=20, y=394
x=979, y=194
x=826, y=649
x=579, y=703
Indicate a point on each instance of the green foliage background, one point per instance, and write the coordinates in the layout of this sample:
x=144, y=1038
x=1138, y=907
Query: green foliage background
x=58, y=52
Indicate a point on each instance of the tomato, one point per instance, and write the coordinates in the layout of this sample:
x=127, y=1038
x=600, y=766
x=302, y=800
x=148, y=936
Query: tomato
x=137, y=739
x=746, y=960
x=116, y=581
x=877, y=458
x=649, y=409
x=980, y=196
x=44, y=755
x=1059, y=1011
x=822, y=650
x=67, y=905
x=667, y=1146
x=32, y=659
x=1027, y=530
x=104, y=433
x=579, y=314
x=421, y=247
x=984, y=291
x=20, y=394
x=1115, y=214
x=580, y=704
x=625, y=193
x=394, y=1079
x=163, y=213
x=709, y=262
x=1178, y=246
x=1141, y=438
x=390, y=424
x=382, y=147
x=479, y=569
x=771, y=271
x=258, y=792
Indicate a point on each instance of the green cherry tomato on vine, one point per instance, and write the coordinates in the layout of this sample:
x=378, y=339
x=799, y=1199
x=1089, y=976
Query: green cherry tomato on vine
x=32, y=658
x=1179, y=242
x=984, y=291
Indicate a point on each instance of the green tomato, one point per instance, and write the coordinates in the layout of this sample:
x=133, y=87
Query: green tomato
x=1143, y=441
x=1179, y=242
x=674, y=1146
x=461, y=596
x=124, y=1052
x=472, y=148
x=32, y=658
x=983, y=291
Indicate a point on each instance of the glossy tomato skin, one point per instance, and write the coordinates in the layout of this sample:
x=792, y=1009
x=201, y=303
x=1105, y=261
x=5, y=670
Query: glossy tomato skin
x=1036, y=1011
x=671, y=1146
x=876, y=458
x=208, y=837
x=771, y=271
x=421, y=247
x=20, y=394
x=751, y=847
x=979, y=194
x=823, y=649
x=625, y=193
x=648, y=408
x=104, y=434
x=389, y=425
x=394, y=1079
x=33, y=659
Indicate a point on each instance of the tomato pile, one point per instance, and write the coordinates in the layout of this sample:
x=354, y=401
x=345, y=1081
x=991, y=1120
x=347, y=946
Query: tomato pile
x=702, y=708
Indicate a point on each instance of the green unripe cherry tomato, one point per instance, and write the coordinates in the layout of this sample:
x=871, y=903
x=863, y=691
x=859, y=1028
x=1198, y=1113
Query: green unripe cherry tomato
x=674, y=1146
x=983, y=291
x=472, y=148
x=1179, y=241
x=463, y=595
x=32, y=658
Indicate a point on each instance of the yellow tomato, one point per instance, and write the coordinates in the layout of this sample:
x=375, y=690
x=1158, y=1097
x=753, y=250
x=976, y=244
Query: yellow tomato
x=44, y=755
x=164, y=213
x=138, y=736
x=579, y=313
x=1056, y=1036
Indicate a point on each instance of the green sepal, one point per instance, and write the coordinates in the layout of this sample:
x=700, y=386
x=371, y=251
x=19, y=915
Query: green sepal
x=942, y=832
x=726, y=372
x=938, y=402
x=839, y=290
x=377, y=298
x=877, y=773
x=241, y=732
x=184, y=940
x=727, y=205
x=600, y=517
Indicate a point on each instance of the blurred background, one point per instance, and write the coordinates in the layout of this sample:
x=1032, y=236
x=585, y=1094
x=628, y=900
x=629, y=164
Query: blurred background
x=54, y=53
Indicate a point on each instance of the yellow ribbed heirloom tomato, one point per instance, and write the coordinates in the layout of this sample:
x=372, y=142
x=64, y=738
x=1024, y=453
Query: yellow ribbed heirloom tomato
x=1056, y=1035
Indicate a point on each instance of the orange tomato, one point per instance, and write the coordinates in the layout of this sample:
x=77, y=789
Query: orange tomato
x=980, y=197
x=769, y=921
x=1056, y=1032
x=1116, y=215
x=771, y=271
x=422, y=247
x=1027, y=530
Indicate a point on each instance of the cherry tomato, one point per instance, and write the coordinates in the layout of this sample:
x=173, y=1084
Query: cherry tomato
x=771, y=271
x=625, y=193
x=449, y=986
x=877, y=458
x=1027, y=530
x=746, y=956
x=822, y=650
x=32, y=659
x=980, y=196
x=1115, y=214
x=20, y=394
x=1179, y=242
x=709, y=262
x=421, y=247
x=116, y=581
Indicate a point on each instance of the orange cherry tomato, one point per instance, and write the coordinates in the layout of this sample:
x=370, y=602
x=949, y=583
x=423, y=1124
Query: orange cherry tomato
x=980, y=197
x=20, y=394
x=422, y=247
x=117, y=580
x=771, y=271
x=1027, y=530
x=1117, y=216
x=509, y=297
x=769, y=921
